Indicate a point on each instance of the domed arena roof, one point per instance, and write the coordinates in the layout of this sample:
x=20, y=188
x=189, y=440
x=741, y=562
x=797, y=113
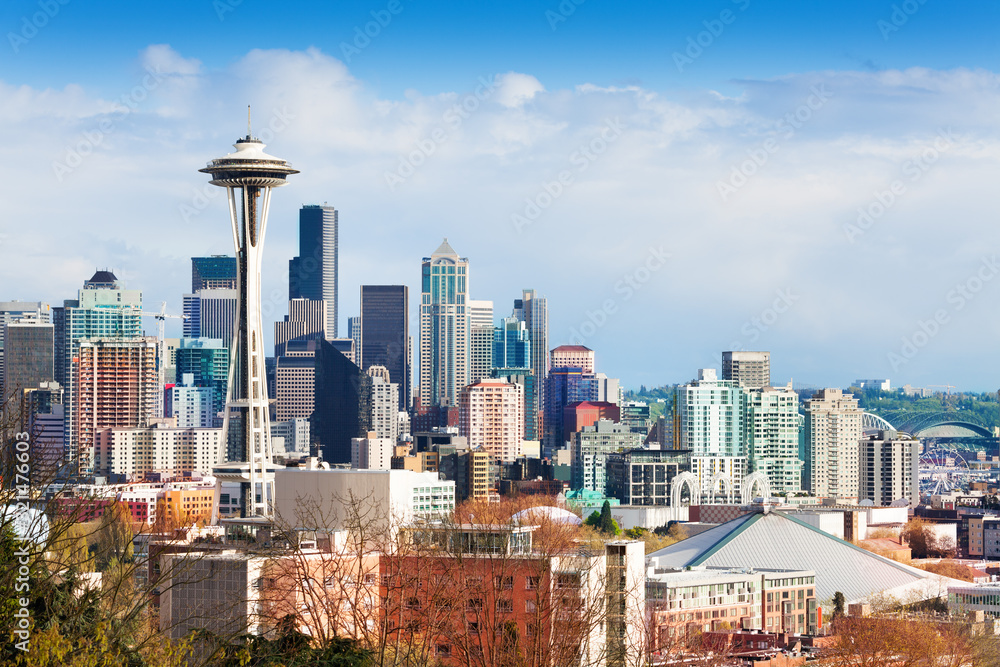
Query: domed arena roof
x=547, y=513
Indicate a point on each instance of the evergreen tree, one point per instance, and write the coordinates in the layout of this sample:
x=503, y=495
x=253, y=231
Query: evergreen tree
x=838, y=604
x=607, y=521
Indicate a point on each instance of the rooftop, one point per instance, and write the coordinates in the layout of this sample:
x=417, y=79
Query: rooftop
x=778, y=540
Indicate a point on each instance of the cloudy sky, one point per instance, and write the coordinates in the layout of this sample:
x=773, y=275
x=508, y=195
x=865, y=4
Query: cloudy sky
x=814, y=179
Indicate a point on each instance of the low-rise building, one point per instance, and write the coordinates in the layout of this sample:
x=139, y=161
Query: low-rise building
x=645, y=476
x=133, y=453
x=684, y=604
x=591, y=447
x=391, y=498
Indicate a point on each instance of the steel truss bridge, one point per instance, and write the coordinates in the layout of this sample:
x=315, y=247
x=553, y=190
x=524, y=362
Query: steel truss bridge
x=951, y=441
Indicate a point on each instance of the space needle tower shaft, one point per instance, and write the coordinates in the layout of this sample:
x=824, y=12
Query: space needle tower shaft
x=248, y=175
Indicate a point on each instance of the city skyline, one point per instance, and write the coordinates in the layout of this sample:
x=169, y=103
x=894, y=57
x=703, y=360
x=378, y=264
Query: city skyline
x=868, y=155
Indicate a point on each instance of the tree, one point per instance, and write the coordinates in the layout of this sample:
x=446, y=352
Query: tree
x=607, y=524
x=838, y=604
x=891, y=642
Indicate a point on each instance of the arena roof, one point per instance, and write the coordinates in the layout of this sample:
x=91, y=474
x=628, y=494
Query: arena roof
x=775, y=540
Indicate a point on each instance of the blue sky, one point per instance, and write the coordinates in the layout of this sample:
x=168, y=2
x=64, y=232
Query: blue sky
x=759, y=165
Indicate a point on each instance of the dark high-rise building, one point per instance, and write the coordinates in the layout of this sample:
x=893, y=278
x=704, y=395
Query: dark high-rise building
x=533, y=310
x=29, y=352
x=313, y=274
x=339, y=412
x=15, y=310
x=215, y=272
x=385, y=334
x=564, y=386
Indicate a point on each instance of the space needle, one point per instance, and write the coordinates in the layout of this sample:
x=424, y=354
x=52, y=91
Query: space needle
x=248, y=176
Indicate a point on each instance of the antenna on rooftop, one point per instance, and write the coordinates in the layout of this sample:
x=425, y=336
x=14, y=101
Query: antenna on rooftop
x=248, y=120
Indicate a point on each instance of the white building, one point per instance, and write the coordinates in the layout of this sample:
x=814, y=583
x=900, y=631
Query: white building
x=889, y=469
x=190, y=406
x=711, y=414
x=772, y=431
x=372, y=452
x=384, y=414
x=491, y=417
x=877, y=383
x=832, y=435
x=295, y=432
x=391, y=497
x=133, y=452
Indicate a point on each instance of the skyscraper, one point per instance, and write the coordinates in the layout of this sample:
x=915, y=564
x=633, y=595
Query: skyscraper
x=15, y=310
x=491, y=417
x=306, y=320
x=890, y=468
x=103, y=309
x=832, y=434
x=313, y=274
x=384, y=334
x=211, y=313
x=711, y=415
x=512, y=363
x=28, y=345
x=383, y=403
x=772, y=433
x=116, y=386
x=444, y=327
x=533, y=310
x=564, y=386
x=354, y=333
x=341, y=410
x=207, y=361
x=480, y=340
x=751, y=369
x=295, y=380
x=215, y=272
x=573, y=356
x=511, y=344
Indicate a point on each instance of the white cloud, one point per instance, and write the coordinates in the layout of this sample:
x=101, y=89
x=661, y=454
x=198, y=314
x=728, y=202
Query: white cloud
x=129, y=201
x=514, y=89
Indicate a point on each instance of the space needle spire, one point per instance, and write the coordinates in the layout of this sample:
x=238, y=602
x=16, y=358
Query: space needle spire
x=248, y=176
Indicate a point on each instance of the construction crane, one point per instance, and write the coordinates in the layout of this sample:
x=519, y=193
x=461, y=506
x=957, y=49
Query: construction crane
x=161, y=351
x=949, y=387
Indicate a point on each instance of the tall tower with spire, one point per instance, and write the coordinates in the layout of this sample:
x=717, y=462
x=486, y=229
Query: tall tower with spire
x=444, y=327
x=248, y=176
